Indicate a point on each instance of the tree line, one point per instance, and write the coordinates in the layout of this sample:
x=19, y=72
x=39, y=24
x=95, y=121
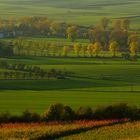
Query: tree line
x=60, y=112
x=43, y=26
x=27, y=47
x=23, y=71
x=35, y=26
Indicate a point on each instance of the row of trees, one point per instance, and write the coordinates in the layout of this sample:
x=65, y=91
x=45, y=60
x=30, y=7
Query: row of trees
x=96, y=48
x=44, y=48
x=23, y=71
x=60, y=112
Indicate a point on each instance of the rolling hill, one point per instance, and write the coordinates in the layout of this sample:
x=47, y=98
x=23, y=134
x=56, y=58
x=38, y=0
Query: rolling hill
x=84, y=12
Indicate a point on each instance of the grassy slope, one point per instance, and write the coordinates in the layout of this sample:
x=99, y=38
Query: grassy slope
x=38, y=101
x=86, y=89
x=85, y=12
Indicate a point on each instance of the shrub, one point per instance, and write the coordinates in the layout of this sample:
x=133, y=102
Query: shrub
x=117, y=111
x=84, y=113
x=59, y=112
x=4, y=117
x=29, y=117
x=68, y=113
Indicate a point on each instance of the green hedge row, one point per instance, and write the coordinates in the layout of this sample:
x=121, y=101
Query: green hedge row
x=60, y=112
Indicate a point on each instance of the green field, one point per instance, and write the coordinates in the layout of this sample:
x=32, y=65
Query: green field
x=38, y=101
x=96, y=82
x=50, y=72
x=83, y=12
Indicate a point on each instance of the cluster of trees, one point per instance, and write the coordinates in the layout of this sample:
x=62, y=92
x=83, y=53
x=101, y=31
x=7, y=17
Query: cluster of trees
x=104, y=34
x=23, y=71
x=35, y=26
x=42, y=26
x=60, y=112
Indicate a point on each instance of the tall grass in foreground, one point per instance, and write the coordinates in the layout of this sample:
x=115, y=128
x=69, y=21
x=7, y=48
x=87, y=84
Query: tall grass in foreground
x=127, y=131
x=48, y=131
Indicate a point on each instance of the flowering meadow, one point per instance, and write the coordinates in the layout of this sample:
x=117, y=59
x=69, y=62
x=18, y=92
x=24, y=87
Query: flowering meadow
x=51, y=130
x=125, y=131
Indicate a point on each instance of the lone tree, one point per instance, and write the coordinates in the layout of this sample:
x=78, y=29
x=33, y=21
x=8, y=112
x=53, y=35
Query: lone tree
x=104, y=23
x=126, y=24
x=134, y=48
x=77, y=48
x=90, y=49
x=133, y=38
x=117, y=25
x=65, y=50
x=72, y=32
x=113, y=48
x=97, y=48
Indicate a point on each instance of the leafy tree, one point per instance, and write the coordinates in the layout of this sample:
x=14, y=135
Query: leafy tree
x=104, y=23
x=126, y=24
x=133, y=38
x=95, y=35
x=77, y=48
x=97, y=48
x=54, y=27
x=98, y=34
x=117, y=24
x=72, y=32
x=90, y=49
x=65, y=50
x=121, y=37
x=18, y=44
x=84, y=49
x=84, y=113
x=59, y=112
x=113, y=48
x=134, y=47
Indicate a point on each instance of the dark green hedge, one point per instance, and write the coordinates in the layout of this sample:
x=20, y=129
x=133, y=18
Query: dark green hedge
x=60, y=112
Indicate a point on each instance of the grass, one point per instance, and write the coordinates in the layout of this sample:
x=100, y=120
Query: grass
x=83, y=12
x=127, y=131
x=49, y=131
x=67, y=61
x=16, y=102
